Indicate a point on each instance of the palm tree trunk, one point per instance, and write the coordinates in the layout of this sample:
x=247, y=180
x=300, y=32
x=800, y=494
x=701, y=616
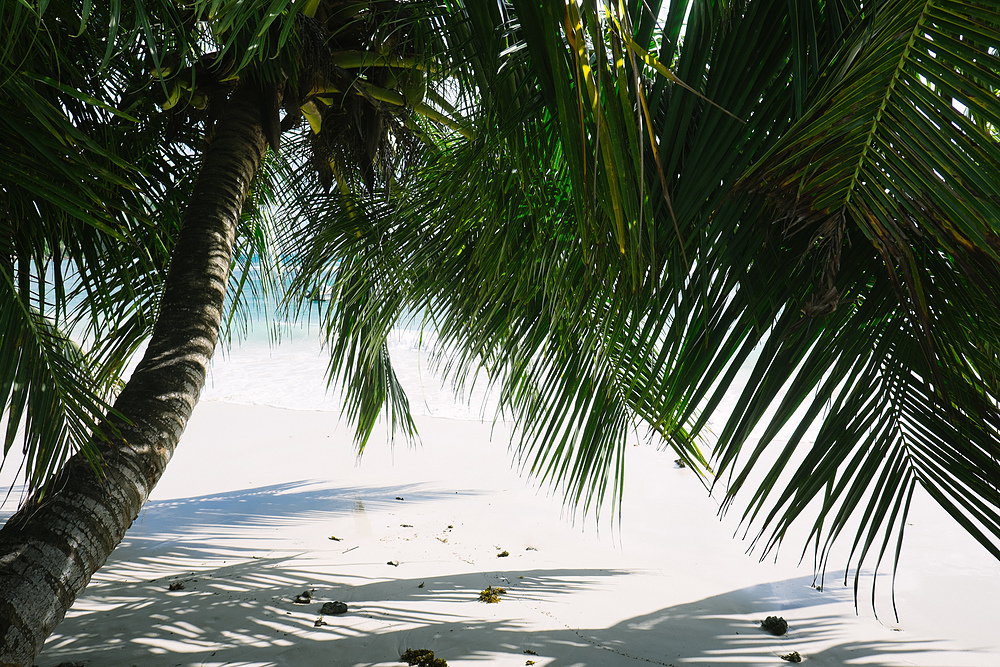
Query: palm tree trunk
x=53, y=545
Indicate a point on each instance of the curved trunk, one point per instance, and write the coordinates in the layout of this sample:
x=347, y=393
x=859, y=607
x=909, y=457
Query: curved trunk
x=52, y=546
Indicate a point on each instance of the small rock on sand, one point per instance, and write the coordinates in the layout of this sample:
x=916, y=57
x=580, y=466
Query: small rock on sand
x=334, y=608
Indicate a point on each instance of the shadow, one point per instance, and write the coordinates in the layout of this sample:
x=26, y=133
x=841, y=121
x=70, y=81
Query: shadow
x=245, y=614
x=233, y=600
x=280, y=504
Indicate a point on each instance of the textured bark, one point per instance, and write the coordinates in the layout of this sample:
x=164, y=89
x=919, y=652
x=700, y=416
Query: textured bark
x=52, y=546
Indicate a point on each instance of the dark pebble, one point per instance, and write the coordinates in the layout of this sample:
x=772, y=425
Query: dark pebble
x=334, y=608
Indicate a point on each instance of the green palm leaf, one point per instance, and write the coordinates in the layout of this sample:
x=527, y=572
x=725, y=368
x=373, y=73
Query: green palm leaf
x=883, y=181
x=594, y=312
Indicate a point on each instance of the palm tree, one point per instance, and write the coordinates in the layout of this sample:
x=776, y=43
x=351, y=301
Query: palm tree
x=223, y=111
x=74, y=520
x=631, y=209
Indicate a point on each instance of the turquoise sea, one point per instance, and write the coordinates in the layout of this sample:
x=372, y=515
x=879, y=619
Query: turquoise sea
x=283, y=364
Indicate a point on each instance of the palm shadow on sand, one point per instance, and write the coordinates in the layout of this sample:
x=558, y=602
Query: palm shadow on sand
x=235, y=605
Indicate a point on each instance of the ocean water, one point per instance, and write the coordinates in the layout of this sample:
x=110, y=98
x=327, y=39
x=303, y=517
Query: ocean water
x=285, y=364
x=292, y=374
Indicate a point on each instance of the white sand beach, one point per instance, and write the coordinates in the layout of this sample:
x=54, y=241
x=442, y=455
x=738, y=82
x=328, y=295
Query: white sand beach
x=263, y=503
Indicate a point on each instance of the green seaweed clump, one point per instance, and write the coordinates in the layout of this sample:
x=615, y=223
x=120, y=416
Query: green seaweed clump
x=491, y=595
x=422, y=657
x=792, y=657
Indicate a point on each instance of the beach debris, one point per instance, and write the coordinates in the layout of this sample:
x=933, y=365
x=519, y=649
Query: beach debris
x=176, y=586
x=792, y=657
x=399, y=497
x=443, y=540
x=776, y=625
x=336, y=539
x=529, y=662
x=528, y=651
x=394, y=563
x=319, y=622
x=680, y=463
x=503, y=554
x=71, y=663
x=530, y=549
x=334, y=608
x=421, y=585
x=450, y=526
x=491, y=595
x=351, y=549
x=305, y=597
x=406, y=525
x=422, y=657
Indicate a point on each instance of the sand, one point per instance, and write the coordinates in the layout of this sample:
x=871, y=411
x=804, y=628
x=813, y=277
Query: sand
x=244, y=519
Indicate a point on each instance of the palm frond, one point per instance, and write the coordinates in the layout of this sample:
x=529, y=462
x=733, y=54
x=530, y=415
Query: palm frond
x=47, y=387
x=884, y=179
x=594, y=313
x=83, y=241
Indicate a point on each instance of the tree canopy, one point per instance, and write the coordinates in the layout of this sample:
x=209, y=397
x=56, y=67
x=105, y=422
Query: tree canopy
x=613, y=247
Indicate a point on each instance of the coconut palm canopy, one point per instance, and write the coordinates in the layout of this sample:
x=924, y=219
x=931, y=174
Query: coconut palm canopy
x=613, y=247
x=610, y=207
